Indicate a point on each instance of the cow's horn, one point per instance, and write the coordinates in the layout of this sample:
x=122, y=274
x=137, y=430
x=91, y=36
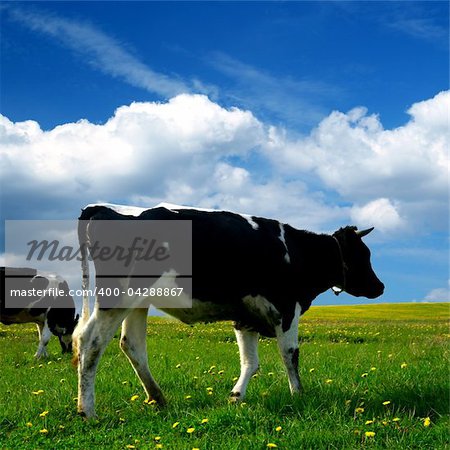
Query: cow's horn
x=363, y=233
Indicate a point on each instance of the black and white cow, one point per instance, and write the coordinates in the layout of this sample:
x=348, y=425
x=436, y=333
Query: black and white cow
x=259, y=273
x=51, y=313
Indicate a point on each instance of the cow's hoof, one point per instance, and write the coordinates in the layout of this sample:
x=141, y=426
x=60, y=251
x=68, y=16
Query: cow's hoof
x=235, y=397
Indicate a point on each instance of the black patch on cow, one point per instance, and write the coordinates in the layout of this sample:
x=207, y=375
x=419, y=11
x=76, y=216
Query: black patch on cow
x=294, y=357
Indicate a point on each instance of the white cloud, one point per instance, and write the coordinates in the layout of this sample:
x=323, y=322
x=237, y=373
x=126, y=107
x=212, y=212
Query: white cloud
x=354, y=155
x=100, y=50
x=380, y=213
x=439, y=294
x=191, y=150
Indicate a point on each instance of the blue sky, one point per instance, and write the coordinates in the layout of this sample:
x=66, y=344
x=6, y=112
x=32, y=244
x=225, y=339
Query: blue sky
x=320, y=114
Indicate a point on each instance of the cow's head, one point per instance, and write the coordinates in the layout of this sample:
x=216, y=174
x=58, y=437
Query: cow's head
x=358, y=277
x=61, y=318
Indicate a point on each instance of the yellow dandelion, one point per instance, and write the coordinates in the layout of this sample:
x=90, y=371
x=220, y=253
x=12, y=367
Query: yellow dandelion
x=364, y=375
x=212, y=368
x=188, y=397
x=61, y=427
x=195, y=448
x=205, y=421
x=328, y=381
x=359, y=410
x=50, y=362
x=134, y=398
x=124, y=382
x=369, y=434
x=396, y=419
x=43, y=431
x=29, y=424
x=272, y=445
x=190, y=430
x=237, y=378
x=150, y=401
x=175, y=424
x=369, y=422
x=220, y=372
x=385, y=422
x=387, y=402
x=270, y=374
x=39, y=392
x=43, y=413
x=372, y=369
x=178, y=366
x=158, y=445
x=121, y=419
x=311, y=370
x=255, y=375
x=426, y=422
x=278, y=428
x=131, y=446
x=157, y=438
x=403, y=365
x=62, y=380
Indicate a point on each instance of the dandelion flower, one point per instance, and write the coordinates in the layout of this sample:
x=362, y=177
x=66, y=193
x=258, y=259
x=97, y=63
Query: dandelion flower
x=124, y=382
x=39, y=392
x=158, y=445
x=150, y=401
x=134, y=398
x=43, y=413
x=364, y=375
x=369, y=422
x=372, y=369
x=190, y=430
x=278, y=429
x=204, y=421
x=403, y=365
x=328, y=381
x=43, y=431
x=188, y=397
x=359, y=410
x=29, y=424
x=157, y=438
x=61, y=427
x=311, y=370
x=272, y=445
x=131, y=446
x=220, y=372
x=369, y=434
x=178, y=366
x=396, y=419
x=175, y=424
x=426, y=422
x=121, y=419
x=387, y=402
x=270, y=374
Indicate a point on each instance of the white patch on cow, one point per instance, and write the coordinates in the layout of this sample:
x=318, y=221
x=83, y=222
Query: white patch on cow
x=126, y=210
x=138, y=210
x=288, y=345
x=283, y=240
x=262, y=309
x=248, y=354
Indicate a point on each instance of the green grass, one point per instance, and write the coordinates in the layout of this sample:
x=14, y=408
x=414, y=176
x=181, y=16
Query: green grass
x=350, y=357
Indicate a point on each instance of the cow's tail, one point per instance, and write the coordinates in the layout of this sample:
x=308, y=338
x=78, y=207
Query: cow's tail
x=85, y=312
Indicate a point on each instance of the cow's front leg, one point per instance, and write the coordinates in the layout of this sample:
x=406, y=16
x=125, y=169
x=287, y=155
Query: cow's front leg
x=248, y=354
x=287, y=339
x=92, y=341
x=44, y=337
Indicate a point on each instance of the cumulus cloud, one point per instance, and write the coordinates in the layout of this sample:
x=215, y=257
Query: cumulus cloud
x=354, y=155
x=439, y=294
x=380, y=213
x=191, y=150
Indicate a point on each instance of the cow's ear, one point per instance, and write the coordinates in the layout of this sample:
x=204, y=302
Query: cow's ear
x=363, y=233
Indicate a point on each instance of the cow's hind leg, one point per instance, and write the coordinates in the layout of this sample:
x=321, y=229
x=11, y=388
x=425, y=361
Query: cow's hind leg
x=92, y=341
x=44, y=337
x=248, y=353
x=133, y=343
x=287, y=338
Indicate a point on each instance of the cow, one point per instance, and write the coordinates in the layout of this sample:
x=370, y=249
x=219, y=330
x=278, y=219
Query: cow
x=259, y=273
x=47, y=303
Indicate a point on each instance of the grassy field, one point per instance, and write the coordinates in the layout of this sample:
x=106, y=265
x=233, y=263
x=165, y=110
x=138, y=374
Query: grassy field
x=374, y=377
